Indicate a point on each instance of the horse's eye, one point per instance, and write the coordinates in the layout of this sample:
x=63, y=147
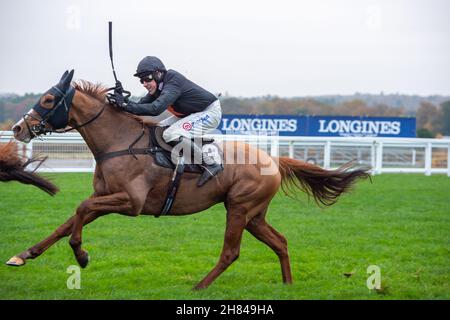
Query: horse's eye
x=48, y=100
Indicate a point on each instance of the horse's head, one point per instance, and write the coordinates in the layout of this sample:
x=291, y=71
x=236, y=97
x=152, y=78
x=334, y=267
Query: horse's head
x=50, y=112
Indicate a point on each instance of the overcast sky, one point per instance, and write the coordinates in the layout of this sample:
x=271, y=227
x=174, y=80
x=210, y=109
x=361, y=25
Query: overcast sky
x=245, y=48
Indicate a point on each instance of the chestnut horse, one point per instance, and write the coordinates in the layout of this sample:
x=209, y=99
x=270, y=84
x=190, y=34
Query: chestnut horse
x=131, y=186
x=13, y=168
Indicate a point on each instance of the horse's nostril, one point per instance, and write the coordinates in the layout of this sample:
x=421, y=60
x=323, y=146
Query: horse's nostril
x=16, y=129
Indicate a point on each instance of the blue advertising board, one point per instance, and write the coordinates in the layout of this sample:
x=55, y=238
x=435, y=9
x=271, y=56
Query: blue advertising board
x=332, y=126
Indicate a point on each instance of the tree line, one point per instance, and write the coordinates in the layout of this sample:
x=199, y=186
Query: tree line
x=432, y=113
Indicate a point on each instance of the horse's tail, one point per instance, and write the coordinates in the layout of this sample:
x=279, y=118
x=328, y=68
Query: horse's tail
x=324, y=185
x=12, y=167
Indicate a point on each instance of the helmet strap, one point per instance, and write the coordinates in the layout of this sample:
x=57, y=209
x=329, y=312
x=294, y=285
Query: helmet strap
x=158, y=76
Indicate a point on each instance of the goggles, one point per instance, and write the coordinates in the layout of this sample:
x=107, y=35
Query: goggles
x=146, y=79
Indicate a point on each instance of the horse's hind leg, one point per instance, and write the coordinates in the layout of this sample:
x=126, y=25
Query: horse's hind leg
x=236, y=221
x=35, y=251
x=265, y=233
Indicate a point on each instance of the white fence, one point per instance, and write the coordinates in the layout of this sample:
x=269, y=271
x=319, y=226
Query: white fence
x=69, y=153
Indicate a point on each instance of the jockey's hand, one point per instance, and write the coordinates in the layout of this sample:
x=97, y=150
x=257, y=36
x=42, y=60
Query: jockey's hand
x=118, y=88
x=116, y=100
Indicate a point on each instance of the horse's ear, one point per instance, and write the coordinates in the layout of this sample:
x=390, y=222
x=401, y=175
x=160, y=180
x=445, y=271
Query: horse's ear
x=63, y=76
x=65, y=82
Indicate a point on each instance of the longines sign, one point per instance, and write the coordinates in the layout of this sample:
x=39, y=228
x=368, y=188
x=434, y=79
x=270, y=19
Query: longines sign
x=319, y=126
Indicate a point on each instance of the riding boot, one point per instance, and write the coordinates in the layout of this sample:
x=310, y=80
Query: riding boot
x=211, y=167
x=190, y=151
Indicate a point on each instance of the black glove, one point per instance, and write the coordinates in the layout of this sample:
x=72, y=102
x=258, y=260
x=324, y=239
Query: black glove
x=116, y=99
x=118, y=88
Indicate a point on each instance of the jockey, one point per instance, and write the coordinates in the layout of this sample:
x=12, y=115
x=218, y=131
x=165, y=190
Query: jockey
x=195, y=111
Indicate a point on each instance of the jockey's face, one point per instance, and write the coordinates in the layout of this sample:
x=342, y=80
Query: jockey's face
x=151, y=86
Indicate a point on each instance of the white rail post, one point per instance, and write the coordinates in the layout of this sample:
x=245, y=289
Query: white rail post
x=291, y=149
x=373, y=161
x=379, y=157
x=428, y=155
x=94, y=163
x=327, y=155
x=448, y=160
x=274, y=146
x=29, y=149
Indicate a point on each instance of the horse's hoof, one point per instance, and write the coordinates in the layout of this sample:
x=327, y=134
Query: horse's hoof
x=15, y=262
x=83, y=260
x=199, y=287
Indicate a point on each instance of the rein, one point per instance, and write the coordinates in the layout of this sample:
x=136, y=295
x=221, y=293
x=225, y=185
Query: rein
x=84, y=124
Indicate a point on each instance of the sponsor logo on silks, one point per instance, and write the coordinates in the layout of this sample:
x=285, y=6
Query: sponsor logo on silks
x=187, y=126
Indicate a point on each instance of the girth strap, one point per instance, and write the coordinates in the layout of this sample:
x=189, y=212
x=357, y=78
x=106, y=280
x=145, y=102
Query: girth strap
x=130, y=152
x=173, y=188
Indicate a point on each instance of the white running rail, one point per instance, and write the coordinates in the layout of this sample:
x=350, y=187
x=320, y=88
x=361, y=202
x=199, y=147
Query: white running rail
x=68, y=152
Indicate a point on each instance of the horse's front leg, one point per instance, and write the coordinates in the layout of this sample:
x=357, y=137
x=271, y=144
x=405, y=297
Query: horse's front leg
x=117, y=202
x=35, y=251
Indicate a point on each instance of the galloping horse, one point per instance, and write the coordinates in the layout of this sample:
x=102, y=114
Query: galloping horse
x=134, y=186
x=13, y=168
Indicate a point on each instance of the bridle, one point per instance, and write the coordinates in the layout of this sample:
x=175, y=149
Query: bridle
x=57, y=117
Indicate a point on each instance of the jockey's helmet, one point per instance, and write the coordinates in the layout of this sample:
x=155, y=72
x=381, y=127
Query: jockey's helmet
x=148, y=66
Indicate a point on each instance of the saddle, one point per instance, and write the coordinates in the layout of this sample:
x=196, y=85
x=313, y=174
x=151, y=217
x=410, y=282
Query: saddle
x=161, y=150
x=161, y=153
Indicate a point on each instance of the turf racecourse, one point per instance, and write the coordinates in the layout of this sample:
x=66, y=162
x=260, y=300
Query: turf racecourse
x=399, y=223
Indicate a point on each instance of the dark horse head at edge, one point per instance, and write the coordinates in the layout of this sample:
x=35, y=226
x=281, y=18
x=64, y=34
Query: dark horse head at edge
x=13, y=167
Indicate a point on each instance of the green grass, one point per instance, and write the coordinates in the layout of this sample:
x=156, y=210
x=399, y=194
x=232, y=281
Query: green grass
x=399, y=223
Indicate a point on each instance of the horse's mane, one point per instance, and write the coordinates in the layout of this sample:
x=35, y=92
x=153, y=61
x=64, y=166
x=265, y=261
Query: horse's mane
x=95, y=90
x=12, y=168
x=98, y=91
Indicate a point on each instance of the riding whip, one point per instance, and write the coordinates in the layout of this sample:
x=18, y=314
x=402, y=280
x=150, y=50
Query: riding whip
x=118, y=88
x=111, y=51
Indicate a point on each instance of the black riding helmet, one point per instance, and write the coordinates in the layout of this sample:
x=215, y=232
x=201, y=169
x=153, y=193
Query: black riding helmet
x=148, y=66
